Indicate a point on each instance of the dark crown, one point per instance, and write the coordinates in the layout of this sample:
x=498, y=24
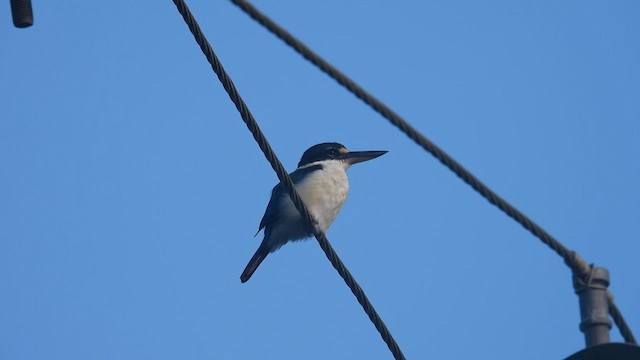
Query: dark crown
x=324, y=151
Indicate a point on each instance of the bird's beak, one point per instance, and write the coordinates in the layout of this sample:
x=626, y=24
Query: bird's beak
x=354, y=157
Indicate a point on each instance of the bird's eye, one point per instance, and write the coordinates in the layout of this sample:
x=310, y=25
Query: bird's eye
x=333, y=152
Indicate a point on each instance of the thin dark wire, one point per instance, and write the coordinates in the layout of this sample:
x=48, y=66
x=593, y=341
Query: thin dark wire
x=618, y=319
x=252, y=125
x=575, y=263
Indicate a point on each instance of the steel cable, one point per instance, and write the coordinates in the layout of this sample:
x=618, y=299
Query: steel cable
x=284, y=178
x=575, y=263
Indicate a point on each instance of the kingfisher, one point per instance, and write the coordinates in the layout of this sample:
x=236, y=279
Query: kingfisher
x=321, y=180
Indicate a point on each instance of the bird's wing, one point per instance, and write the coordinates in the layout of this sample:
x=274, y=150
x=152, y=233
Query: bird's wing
x=279, y=190
x=269, y=213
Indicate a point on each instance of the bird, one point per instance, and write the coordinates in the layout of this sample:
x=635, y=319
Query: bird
x=321, y=180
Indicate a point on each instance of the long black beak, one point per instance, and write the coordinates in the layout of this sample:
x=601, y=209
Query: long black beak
x=354, y=157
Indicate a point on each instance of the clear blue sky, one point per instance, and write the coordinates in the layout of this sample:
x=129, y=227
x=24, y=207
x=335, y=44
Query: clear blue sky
x=130, y=189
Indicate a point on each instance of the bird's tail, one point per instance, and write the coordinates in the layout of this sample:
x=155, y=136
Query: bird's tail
x=255, y=261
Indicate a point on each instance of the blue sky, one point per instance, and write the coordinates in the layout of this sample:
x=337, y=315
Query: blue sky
x=131, y=191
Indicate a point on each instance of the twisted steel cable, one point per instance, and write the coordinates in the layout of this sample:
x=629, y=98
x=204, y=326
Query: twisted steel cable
x=284, y=178
x=577, y=265
x=618, y=319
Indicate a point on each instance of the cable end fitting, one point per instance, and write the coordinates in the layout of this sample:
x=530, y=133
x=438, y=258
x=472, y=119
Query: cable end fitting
x=594, y=305
x=22, y=13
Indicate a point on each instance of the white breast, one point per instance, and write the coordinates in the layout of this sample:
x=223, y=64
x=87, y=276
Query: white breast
x=325, y=191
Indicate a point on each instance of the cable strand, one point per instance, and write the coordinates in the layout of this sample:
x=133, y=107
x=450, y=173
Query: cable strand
x=284, y=178
x=618, y=319
x=574, y=262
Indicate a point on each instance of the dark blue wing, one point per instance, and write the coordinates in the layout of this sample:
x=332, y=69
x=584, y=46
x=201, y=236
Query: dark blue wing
x=270, y=215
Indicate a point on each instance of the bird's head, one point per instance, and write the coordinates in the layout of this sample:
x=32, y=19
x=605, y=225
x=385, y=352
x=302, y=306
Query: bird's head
x=337, y=152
